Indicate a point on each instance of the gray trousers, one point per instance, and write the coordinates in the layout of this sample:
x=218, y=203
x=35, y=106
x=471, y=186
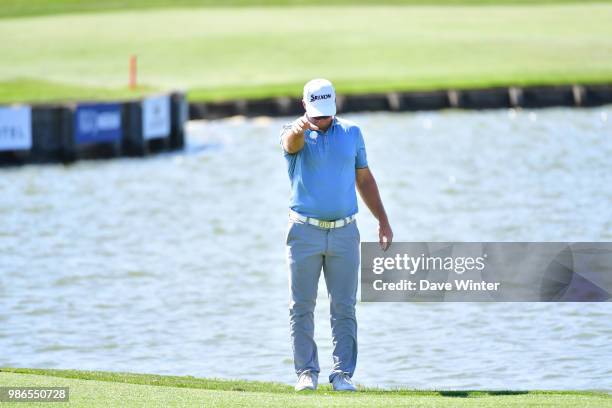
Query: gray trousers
x=336, y=251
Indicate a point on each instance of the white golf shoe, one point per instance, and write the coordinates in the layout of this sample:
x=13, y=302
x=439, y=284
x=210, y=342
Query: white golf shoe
x=342, y=382
x=307, y=381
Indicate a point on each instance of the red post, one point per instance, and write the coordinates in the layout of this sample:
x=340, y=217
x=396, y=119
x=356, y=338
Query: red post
x=133, y=72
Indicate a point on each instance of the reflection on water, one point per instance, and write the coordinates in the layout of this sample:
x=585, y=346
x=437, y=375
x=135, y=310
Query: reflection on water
x=175, y=264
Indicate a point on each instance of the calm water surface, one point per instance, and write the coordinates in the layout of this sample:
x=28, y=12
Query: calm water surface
x=175, y=264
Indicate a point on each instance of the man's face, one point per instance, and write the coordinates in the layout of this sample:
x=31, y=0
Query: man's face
x=322, y=122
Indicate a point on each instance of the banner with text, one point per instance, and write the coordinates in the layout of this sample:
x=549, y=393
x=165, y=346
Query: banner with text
x=97, y=123
x=15, y=128
x=156, y=117
x=487, y=272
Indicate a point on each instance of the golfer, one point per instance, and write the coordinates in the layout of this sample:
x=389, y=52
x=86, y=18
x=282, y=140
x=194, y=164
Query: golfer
x=326, y=159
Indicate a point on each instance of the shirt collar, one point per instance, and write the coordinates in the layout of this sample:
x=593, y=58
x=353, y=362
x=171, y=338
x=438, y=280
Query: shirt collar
x=334, y=123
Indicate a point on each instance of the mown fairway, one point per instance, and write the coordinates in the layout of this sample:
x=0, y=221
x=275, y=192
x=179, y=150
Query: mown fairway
x=219, y=53
x=103, y=389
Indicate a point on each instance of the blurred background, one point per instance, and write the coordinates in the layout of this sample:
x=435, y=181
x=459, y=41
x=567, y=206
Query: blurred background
x=174, y=264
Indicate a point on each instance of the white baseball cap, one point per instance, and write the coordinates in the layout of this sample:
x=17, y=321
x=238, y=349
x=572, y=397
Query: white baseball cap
x=320, y=98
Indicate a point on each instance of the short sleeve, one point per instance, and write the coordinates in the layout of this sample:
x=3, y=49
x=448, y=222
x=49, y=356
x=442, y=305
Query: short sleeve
x=286, y=127
x=361, y=159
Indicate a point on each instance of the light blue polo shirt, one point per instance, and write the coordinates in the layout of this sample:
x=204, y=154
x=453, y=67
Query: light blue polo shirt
x=322, y=174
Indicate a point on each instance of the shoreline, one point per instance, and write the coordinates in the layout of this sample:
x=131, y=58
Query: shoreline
x=104, y=389
x=260, y=386
x=528, y=97
x=44, y=133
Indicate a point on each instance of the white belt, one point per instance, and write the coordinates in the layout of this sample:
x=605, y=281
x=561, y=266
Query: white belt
x=321, y=223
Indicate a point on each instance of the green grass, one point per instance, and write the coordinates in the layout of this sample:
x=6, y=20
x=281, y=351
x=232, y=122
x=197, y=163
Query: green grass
x=103, y=389
x=16, y=8
x=41, y=91
x=254, y=52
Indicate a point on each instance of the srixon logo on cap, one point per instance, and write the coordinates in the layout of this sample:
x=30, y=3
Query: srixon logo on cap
x=319, y=97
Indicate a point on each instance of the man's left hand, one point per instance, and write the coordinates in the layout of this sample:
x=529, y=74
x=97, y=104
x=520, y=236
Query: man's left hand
x=385, y=236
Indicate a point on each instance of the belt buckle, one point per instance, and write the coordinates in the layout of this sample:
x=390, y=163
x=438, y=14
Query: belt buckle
x=325, y=224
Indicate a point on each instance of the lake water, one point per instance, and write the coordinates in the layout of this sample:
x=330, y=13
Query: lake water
x=174, y=264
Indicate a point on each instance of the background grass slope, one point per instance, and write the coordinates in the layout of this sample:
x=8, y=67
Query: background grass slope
x=253, y=52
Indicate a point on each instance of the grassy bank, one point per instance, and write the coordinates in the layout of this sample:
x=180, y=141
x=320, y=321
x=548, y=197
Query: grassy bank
x=19, y=8
x=94, y=388
x=252, y=52
x=32, y=90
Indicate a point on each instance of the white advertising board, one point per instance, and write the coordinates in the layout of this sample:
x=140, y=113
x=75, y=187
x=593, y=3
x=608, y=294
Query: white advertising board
x=156, y=117
x=15, y=128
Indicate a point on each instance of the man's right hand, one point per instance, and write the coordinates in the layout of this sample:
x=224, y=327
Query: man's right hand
x=293, y=139
x=302, y=124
